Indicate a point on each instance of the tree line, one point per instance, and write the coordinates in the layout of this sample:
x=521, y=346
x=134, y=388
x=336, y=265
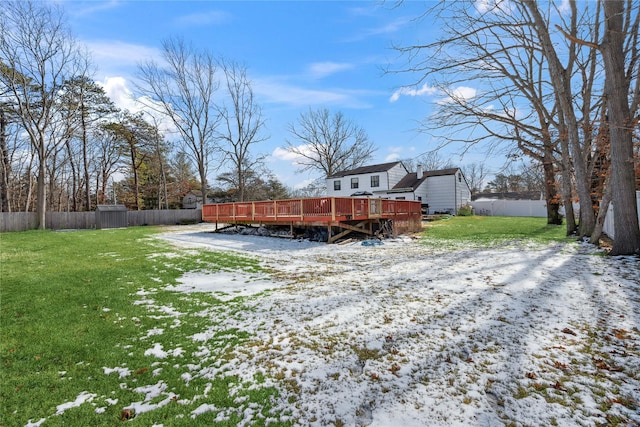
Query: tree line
x=64, y=142
x=558, y=82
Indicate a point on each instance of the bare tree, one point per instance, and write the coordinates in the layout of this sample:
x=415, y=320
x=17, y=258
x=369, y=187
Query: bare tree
x=560, y=76
x=536, y=94
x=328, y=143
x=476, y=174
x=621, y=27
x=429, y=161
x=183, y=88
x=40, y=55
x=512, y=108
x=241, y=124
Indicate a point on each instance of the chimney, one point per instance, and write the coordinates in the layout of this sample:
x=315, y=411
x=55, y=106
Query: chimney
x=419, y=172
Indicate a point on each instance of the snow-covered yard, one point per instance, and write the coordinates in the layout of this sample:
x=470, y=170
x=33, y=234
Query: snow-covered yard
x=413, y=333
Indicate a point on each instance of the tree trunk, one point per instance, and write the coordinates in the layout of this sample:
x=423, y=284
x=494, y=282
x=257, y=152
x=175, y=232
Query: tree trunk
x=567, y=187
x=562, y=85
x=203, y=183
x=85, y=161
x=625, y=210
x=136, y=185
x=551, y=194
x=602, y=213
x=41, y=191
x=74, y=182
x=5, y=165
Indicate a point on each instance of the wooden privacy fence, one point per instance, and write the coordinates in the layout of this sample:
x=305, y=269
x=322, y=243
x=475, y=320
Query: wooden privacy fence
x=21, y=221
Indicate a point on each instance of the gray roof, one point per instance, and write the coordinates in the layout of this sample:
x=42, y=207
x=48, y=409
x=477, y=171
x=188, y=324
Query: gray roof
x=441, y=172
x=383, y=167
x=410, y=182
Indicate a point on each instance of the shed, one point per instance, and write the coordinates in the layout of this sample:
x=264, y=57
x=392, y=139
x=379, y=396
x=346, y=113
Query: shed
x=111, y=216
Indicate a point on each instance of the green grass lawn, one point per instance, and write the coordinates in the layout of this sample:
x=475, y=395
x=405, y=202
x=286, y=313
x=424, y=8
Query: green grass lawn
x=77, y=308
x=70, y=308
x=492, y=230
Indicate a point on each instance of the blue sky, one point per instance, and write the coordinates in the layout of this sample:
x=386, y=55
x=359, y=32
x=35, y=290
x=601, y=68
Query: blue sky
x=299, y=55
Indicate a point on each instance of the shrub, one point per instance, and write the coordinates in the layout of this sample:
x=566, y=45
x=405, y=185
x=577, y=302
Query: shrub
x=466, y=210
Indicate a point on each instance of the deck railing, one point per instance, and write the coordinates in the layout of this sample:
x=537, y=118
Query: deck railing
x=325, y=209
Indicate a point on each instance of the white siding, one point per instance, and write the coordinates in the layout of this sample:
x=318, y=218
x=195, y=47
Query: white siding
x=400, y=196
x=395, y=174
x=441, y=191
x=421, y=191
x=463, y=191
x=387, y=180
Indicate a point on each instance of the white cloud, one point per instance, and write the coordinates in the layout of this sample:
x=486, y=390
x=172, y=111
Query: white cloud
x=324, y=69
x=422, y=91
x=116, y=57
x=392, y=157
x=117, y=90
x=484, y=6
x=89, y=8
x=397, y=152
x=388, y=28
x=282, y=154
x=494, y=6
x=459, y=95
x=283, y=93
x=564, y=6
x=205, y=18
x=304, y=183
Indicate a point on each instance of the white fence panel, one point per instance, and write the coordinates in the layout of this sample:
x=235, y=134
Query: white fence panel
x=537, y=208
x=608, y=227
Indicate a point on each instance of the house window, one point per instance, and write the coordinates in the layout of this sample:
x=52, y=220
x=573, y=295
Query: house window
x=354, y=182
x=336, y=185
x=419, y=198
x=459, y=177
x=375, y=181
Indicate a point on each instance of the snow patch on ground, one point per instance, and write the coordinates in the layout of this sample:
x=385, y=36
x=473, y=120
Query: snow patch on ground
x=414, y=334
x=226, y=285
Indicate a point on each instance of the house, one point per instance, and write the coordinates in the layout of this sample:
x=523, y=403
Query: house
x=444, y=190
x=193, y=200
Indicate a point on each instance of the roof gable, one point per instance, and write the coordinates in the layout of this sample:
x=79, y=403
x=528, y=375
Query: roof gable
x=410, y=180
x=442, y=172
x=383, y=167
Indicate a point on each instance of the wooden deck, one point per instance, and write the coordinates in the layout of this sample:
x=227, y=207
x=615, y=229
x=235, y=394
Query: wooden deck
x=341, y=215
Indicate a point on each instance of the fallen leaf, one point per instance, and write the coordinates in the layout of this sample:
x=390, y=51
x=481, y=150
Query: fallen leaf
x=559, y=365
x=621, y=334
x=395, y=368
x=559, y=386
x=568, y=331
x=127, y=414
x=531, y=375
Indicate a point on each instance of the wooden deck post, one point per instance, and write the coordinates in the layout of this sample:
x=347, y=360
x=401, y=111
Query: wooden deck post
x=333, y=209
